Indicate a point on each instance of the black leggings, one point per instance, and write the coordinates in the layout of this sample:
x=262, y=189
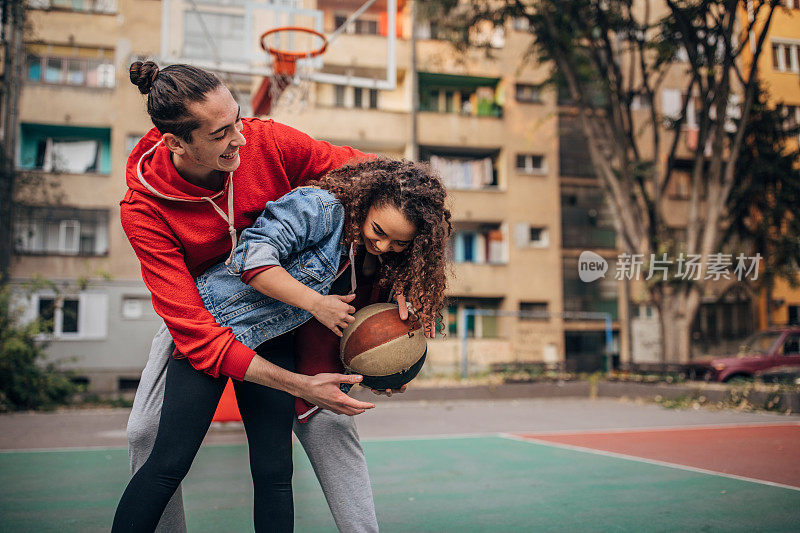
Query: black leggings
x=190, y=399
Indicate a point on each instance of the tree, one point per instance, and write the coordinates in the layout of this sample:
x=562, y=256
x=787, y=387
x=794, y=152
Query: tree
x=11, y=29
x=608, y=54
x=763, y=203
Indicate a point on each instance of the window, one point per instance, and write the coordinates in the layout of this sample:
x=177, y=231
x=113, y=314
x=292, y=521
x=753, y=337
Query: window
x=427, y=29
x=61, y=231
x=639, y=101
x=77, y=71
x=527, y=93
x=597, y=297
x=131, y=140
x=224, y=41
x=791, y=345
x=471, y=173
x=526, y=235
x=478, y=326
x=534, y=311
x=791, y=114
x=680, y=186
x=91, y=6
x=485, y=33
x=791, y=4
x=531, y=164
x=81, y=316
x=586, y=221
x=573, y=149
x=137, y=307
x=67, y=149
x=359, y=99
x=360, y=26
x=786, y=57
x=465, y=95
x=479, y=243
x=521, y=24
x=338, y=99
x=794, y=315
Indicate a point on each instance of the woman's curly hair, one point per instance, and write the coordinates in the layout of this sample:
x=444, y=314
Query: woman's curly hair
x=419, y=271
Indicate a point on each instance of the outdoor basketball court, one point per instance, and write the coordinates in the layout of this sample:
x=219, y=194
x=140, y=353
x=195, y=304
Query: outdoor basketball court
x=568, y=465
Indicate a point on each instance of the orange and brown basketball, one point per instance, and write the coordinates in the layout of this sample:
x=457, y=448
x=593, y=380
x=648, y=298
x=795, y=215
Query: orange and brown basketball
x=387, y=351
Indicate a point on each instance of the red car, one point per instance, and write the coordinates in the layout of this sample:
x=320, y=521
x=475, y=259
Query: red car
x=762, y=351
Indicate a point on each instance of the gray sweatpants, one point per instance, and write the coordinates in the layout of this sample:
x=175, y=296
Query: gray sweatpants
x=330, y=441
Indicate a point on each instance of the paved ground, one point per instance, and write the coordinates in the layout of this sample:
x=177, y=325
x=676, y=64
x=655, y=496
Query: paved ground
x=392, y=419
x=499, y=465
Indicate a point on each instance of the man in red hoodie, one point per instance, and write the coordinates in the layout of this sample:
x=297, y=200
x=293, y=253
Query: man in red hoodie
x=195, y=182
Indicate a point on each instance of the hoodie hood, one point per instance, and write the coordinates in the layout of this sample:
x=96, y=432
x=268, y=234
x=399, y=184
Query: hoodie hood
x=150, y=171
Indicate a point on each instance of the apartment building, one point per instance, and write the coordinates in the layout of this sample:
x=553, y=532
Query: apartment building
x=779, y=68
x=522, y=193
x=492, y=135
x=78, y=120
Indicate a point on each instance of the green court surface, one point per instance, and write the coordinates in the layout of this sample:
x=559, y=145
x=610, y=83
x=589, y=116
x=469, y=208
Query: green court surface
x=487, y=483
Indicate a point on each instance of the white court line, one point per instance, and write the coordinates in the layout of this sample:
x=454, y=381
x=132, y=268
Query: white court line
x=432, y=437
x=644, y=460
x=65, y=449
x=727, y=425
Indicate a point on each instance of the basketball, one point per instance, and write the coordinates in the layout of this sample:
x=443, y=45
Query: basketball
x=387, y=351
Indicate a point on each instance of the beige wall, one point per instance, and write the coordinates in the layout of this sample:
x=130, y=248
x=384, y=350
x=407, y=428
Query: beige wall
x=530, y=275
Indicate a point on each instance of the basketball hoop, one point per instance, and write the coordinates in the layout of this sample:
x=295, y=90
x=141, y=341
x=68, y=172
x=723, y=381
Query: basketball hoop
x=290, y=80
x=285, y=61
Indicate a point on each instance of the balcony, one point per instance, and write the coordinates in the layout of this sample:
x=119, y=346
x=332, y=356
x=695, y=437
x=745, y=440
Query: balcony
x=451, y=129
x=368, y=129
x=474, y=96
x=60, y=25
x=46, y=103
x=464, y=169
x=486, y=280
x=62, y=149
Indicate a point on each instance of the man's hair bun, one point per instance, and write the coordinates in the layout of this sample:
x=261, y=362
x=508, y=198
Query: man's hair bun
x=143, y=75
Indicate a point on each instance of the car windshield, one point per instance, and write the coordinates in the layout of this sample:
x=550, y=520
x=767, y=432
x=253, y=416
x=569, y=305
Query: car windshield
x=758, y=343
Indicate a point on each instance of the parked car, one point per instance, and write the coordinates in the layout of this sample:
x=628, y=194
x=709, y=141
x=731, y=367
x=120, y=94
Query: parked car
x=762, y=351
x=786, y=375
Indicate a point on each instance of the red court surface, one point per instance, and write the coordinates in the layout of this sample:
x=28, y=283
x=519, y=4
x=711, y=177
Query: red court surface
x=760, y=452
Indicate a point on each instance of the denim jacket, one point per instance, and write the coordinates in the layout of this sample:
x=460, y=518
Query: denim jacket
x=302, y=232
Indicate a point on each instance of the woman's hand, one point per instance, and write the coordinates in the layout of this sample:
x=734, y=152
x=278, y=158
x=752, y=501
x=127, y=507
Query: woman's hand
x=334, y=311
x=387, y=392
x=430, y=329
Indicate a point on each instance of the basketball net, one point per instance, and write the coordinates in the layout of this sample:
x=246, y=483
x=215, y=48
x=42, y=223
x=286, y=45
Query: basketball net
x=291, y=52
x=291, y=91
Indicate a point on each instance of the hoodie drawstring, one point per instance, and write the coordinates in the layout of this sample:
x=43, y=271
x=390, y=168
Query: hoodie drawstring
x=210, y=199
x=227, y=218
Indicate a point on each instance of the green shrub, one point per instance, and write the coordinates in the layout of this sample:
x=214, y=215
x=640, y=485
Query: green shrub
x=26, y=381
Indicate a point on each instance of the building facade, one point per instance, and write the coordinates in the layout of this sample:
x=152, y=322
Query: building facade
x=522, y=192
x=78, y=120
x=779, y=68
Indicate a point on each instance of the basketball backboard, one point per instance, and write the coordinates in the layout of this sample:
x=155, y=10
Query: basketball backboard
x=223, y=36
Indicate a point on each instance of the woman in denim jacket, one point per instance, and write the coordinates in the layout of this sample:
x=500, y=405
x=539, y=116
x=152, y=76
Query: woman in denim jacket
x=367, y=231
x=388, y=217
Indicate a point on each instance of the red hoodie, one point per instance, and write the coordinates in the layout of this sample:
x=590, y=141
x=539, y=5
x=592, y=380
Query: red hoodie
x=177, y=234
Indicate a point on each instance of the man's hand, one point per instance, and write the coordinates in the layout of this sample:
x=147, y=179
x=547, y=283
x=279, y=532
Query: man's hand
x=323, y=390
x=334, y=311
x=430, y=329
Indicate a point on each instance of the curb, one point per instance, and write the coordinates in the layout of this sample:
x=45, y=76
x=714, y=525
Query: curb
x=713, y=393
